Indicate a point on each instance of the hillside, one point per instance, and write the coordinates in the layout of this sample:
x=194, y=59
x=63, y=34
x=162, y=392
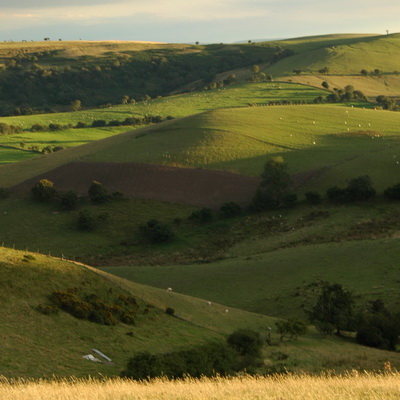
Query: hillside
x=329, y=144
x=39, y=345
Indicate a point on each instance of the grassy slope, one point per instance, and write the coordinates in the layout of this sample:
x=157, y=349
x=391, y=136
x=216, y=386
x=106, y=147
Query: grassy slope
x=344, y=141
x=308, y=137
x=176, y=106
x=268, y=264
x=341, y=55
x=39, y=345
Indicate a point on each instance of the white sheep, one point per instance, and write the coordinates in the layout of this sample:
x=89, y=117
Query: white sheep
x=169, y=289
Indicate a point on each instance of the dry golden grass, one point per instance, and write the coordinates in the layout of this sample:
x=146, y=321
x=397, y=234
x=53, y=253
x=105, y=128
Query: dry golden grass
x=351, y=386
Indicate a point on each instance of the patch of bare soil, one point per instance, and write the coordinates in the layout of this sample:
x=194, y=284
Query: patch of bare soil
x=207, y=188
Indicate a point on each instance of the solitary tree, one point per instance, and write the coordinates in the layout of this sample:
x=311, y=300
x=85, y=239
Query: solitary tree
x=275, y=185
x=334, y=308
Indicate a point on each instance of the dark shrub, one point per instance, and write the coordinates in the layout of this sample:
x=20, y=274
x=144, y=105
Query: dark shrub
x=80, y=125
x=99, y=123
x=55, y=127
x=379, y=331
x=69, y=200
x=157, y=232
x=203, y=215
x=38, y=128
x=361, y=188
x=98, y=193
x=86, y=221
x=170, y=311
x=230, y=209
x=338, y=195
x=43, y=190
x=393, y=192
x=246, y=342
x=4, y=193
x=313, y=198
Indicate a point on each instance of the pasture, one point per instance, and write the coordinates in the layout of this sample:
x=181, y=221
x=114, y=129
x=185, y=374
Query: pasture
x=342, y=55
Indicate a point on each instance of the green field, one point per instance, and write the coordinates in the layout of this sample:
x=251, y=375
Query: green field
x=177, y=106
x=46, y=346
x=228, y=273
x=341, y=54
x=341, y=142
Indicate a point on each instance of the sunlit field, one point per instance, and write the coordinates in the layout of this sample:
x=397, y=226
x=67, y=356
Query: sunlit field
x=351, y=386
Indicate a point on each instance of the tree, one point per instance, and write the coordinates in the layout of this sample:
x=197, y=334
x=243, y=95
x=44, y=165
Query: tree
x=361, y=188
x=291, y=328
x=76, y=105
x=379, y=327
x=275, y=185
x=334, y=307
x=43, y=190
x=98, y=193
x=325, y=85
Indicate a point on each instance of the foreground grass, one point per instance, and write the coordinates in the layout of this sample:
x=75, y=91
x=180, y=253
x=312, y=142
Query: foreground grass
x=351, y=386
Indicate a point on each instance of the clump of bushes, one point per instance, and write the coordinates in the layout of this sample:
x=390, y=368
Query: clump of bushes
x=93, y=308
x=230, y=209
x=207, y=360
x=393, y=192
x=157, y=232
x=358, y=189
x=203, y=215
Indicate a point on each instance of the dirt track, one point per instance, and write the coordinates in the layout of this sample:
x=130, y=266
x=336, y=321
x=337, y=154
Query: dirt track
x=177, y=185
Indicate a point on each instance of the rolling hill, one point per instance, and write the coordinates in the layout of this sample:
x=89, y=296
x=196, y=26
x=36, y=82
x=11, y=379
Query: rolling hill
x=328, y=143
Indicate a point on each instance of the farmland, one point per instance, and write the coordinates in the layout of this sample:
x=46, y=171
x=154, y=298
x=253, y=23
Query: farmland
x=214, y=272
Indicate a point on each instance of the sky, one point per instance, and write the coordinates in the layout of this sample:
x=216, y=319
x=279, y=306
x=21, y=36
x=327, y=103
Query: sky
x=186, y=21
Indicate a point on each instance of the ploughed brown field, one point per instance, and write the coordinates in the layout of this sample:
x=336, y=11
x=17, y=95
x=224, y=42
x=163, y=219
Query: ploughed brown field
x=176, y=185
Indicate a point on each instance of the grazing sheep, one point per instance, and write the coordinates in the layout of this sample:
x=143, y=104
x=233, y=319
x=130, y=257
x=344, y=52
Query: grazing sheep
x=169, y=289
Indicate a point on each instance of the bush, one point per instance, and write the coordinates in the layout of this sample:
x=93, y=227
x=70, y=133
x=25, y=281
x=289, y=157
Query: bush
x=4, y=193
x=203, y=215
x=86, y=221
x=69, y=200
x=43, y=190
x=170, y=311
x=38, y=128
x=99, y=123
x=313, y=198
x=157, y=232
x=379, y=331
x=230, y=209
x=207, y=360
x=392, y=192
x=361, y=188
x=98, y=193
x=246, y=342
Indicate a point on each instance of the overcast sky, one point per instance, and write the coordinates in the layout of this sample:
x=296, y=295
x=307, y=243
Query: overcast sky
x=206, y=21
